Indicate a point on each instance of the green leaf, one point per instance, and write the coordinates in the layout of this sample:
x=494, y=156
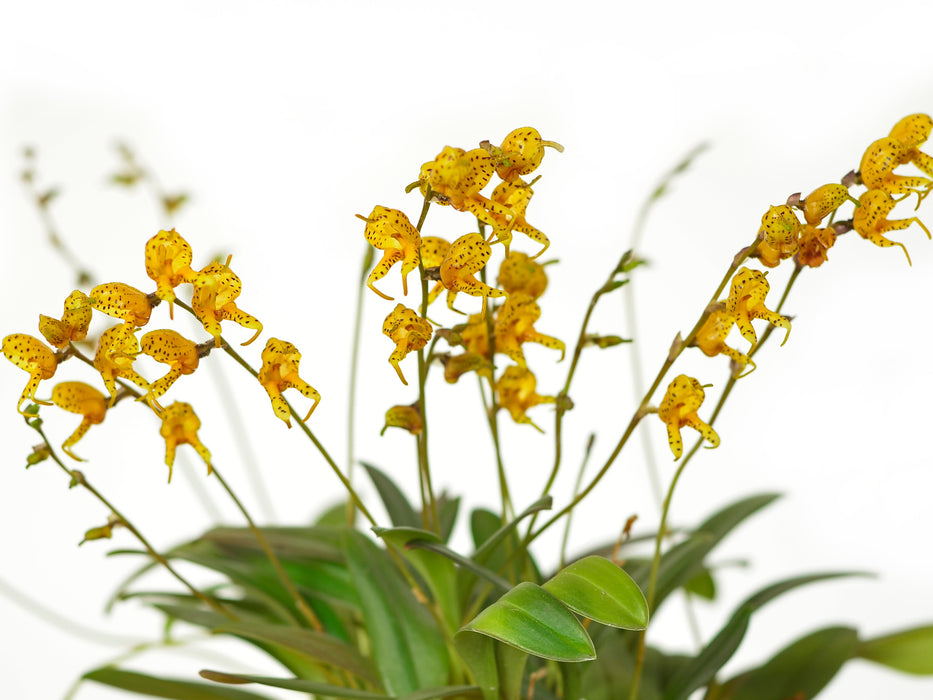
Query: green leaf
x=399, y=509
x=532, y=620
x=702, y=585
x=326, y=689
x=166, y=687
x=300, y=684
x=910, y=651
x=684, y=560
x=804, y=667
x=447, y=509
x=407, y=644
x=598, y=589
x=464, y=563
x=437, y=570
x=720, y=649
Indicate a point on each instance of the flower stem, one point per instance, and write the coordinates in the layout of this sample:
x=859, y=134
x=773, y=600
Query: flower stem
x=78, y=478
x=424, y=466
x=677, y=347
x=304, y=428
x=287, y=582
x=354, y=372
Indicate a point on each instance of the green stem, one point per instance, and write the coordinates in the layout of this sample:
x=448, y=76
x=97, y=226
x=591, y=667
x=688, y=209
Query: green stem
x=354, y=372
x=79, y=479
x=424, y=466
x=307, y=431
x=287, y=582
x=662, y=528
x=677, y=347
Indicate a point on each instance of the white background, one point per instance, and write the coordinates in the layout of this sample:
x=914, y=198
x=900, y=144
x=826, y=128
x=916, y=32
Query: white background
x=285, y=119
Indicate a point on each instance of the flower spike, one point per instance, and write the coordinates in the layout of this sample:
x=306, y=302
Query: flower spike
x=81, y=398
x=408, y=331
x=180, y=426
x=30, y=354
x=280, y=372
x=679, y=408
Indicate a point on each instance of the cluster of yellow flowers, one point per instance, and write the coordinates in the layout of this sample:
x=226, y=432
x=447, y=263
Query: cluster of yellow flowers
x=783, y=235
x=215, y=289
x=456, y=178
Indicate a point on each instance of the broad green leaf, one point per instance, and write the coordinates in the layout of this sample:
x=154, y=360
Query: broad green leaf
x=325, y=689
x=407, y=644
x=910, y=651
x=334, y=516
x=598, y=589
x=437, y=570
x=166, y=687
x=397, y=506
x=704, y=667
x=532, y=620
x=804, y=667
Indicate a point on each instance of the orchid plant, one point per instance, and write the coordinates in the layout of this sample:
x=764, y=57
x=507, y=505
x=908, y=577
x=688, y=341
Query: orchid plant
x=353, y=606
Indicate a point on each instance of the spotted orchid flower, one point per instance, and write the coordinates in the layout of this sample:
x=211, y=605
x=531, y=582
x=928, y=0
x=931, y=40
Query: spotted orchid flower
x=116, y=351
x=74, y=322
x=32, y=355
x=408, y=331
x=180, y=426
x=747, y=301
x=85, y=400
x=280, y=372
x=517, y=393
x=168, y=264
x=467, y=256
x=711, y=338
x=216, y=289
x=390, y=231
x=679, y=408
x=173, y=349
x=514, y=327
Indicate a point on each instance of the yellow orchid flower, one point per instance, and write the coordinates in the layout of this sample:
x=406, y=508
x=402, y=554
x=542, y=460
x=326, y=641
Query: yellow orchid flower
x=515, y=326
x=168, y=264
x=280, y=372
x=408, y=331
x=81, y=398
x=173, y=349
x=116, y=351
x=517, y=393
x=216, y=288
x=711, y=338
x=467, y=256
x=180, y=426
x=74, y=322
x=747, y=301
x=123, y=302
x=30, y=354
x=390, y=231
x=520, y=273
x=679, y=408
